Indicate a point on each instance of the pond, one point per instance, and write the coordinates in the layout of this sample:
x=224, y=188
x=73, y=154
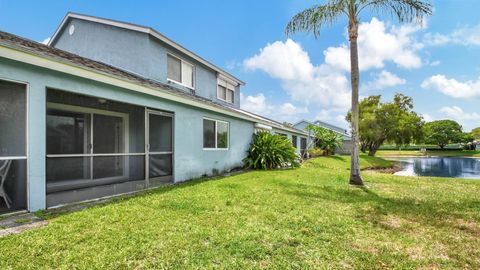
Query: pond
x=457, y=167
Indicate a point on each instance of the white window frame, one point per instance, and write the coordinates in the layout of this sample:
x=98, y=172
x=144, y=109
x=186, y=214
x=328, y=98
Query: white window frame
x=182, y=62
x=229, y=86
x=216, y=135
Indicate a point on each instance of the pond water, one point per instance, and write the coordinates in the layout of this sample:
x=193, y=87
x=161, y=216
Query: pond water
x=457, y=167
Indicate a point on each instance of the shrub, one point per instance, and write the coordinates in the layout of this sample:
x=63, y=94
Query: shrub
x=268, y=151
x=316, y=152
x=326, y=139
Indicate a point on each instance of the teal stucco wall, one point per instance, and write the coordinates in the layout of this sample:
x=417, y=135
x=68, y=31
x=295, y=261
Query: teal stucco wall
x=190, y=159
x=135, y=52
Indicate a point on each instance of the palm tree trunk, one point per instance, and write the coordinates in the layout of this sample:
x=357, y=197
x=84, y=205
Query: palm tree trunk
x=355, y=178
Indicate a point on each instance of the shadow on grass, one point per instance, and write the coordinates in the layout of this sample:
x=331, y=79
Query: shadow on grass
x=427, y=212
x=122, y=198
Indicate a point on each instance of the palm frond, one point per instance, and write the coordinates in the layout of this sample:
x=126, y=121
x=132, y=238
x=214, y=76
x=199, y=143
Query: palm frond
x=403, y=10
x=312, y=19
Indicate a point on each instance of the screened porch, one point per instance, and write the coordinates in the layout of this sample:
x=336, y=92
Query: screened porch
x=97, y=147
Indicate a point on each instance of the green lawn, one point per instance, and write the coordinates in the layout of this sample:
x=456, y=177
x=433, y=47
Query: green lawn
x=303, y=218
x=438, y=153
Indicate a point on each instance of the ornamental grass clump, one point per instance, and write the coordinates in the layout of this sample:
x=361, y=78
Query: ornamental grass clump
x=268, y=151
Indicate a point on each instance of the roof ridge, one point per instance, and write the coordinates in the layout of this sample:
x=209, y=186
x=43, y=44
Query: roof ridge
x=147, y=30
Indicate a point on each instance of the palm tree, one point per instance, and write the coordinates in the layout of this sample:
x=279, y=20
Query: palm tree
x=312, y=19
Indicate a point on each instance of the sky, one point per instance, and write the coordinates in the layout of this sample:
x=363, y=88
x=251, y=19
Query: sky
x=300, y=76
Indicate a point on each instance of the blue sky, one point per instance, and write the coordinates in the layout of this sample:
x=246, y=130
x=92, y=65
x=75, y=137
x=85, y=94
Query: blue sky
x=302, y=77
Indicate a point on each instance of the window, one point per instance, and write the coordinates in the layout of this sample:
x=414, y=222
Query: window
x=225, y=91
x=180, y=71
x=294, y=141
x=215, y=134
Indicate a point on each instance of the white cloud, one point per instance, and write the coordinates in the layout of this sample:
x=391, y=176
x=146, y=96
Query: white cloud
x=457, y=113
x=452, y=87
x=435, y=63
x=378, y=44
x=255, y=104
x=306, y=83
x=283, y=112
x=467, y=120
x=45, y=41
x=283, y=60
x=427, y=117
x=466, y=35
x=384, y=79
x=324, y=89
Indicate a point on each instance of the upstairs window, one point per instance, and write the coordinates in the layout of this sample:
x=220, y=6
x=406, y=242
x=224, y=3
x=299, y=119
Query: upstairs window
x=226, y=91
x=179, y=71
x=215, y=134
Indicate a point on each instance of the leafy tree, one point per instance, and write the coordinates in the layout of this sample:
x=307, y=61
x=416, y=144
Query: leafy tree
x=443, y=132
x=326, y=139
x=387, y=122
x=313, y=19
x=270, y=151
x=476, y=133
x=467, y=139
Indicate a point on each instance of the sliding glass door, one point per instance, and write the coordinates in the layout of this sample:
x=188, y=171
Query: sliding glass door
x=159, y=146
x=85, y=147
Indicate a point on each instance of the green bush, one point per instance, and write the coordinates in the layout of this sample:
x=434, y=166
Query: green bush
x=316, y=152
x=269, y=151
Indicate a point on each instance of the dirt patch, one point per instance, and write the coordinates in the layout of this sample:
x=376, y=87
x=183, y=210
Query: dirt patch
x=22, y=228
x=390, y=170
x=468, y=226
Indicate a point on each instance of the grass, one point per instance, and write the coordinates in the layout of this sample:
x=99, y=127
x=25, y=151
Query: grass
x=438, y=153
x=301, y=218
x=22, y=220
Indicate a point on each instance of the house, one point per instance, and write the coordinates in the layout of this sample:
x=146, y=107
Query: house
x=345, y=149
x=108, y=108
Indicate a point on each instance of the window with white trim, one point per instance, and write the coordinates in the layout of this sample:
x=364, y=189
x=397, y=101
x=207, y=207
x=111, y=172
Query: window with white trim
x=180, y=71
x=215, y=134
x=225, y=91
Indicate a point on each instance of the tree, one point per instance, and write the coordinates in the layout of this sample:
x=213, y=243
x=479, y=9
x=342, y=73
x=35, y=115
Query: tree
x=443, y=132
x=326, y=139
x=475, y=133
x=387, y=122
x=467, y=139
x=313, y=19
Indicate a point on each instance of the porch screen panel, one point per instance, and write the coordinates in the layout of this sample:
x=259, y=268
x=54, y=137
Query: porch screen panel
x=13, y=139
x=63, y=169
x=160, y=165
x=12, y=119
x=160, y=133
x=108, y=134
x=160, y=145
x=67, y=132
